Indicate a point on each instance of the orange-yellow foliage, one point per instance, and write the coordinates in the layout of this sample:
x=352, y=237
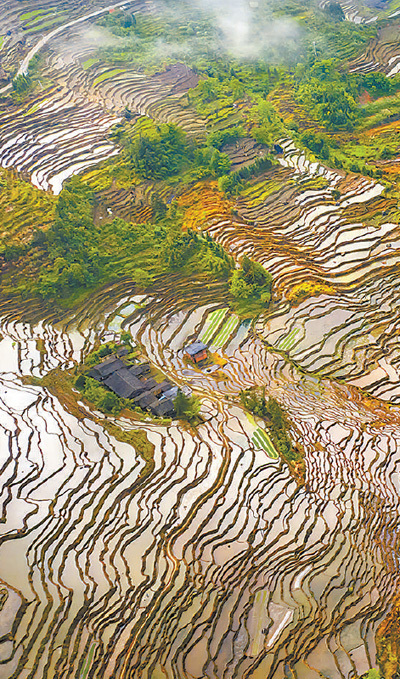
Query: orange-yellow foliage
x=388, y=642
x=202, y=204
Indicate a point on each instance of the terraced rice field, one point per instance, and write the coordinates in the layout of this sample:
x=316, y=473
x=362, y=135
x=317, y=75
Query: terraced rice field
x=303, y=235
x=55, y=138
x=381, y=55
x=212, y=556
x=198, y=555
x=65, y=129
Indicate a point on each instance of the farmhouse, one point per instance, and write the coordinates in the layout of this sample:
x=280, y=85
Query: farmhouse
x=197, y=351
x=133, y=382
x=164, y=408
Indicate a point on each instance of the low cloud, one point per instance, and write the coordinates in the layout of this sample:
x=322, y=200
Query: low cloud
x=251, y=32
x=244, y=30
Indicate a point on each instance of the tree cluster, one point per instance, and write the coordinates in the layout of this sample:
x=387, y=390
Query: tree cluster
x=77, y=254
x=334, y=11
x=378, y=84
x=218, y=138
x=119, y=21
x=329, y=95
x=187, y=407
x=317, y=142
x=251, y=282
x=159, y=153
x=199, y=249
x=278, y=423
x=22, y=83
x=70, y=243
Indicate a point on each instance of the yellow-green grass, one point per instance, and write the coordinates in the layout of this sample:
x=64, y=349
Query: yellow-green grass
x=22, y=208
x=106, y=76
x=88, y=63
x=27, y=16
x=46, y=24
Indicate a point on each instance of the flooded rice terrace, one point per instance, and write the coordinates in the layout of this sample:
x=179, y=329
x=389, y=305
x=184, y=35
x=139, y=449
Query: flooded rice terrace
x=212, y=562
x=206, y=559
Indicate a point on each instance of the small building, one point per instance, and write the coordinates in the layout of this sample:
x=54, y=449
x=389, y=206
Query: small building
x=172, y=393
x=164, y=408
x=149, y=384
x=134, y=382
x=156, y=390
x=197, y=351
x=165, y=385
x=139, y=370
x=146, y=401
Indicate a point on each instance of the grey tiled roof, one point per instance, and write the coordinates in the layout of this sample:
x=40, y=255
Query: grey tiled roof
x=195, y=348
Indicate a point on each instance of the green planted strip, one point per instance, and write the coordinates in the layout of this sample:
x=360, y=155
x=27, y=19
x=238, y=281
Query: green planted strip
x=32, y=110
x=213, y=321
x=86, y=668
x=36, y=12
x=88, y=63
x=107, y=75
x=261, y=440
x=259, y=192
x=289, y=340
x=260, y=604
x=226, y=331
x=37, y=25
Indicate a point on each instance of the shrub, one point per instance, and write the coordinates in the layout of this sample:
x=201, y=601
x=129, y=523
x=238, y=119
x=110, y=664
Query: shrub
x=187, y=407
x=219, y=138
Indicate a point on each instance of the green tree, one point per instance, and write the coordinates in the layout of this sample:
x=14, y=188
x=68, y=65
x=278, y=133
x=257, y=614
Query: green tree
x=251, y=284
x=386, y=153
x=378, y=83
x=239, y=288
x=180, y=248
x=219, y=164
x=335, y=11
x=218, y=138
x=159, y=152
x=329, y=94
x=22, y=83
x=255, y=274
x=101, y=397
x=267, y=126
x=187, y=407
x=317, y=143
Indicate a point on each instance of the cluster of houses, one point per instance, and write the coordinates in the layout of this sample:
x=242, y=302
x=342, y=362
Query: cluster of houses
x=134, y=382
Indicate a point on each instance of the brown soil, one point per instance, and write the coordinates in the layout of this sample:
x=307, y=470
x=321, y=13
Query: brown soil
x=365, y=98
x=179, y=77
